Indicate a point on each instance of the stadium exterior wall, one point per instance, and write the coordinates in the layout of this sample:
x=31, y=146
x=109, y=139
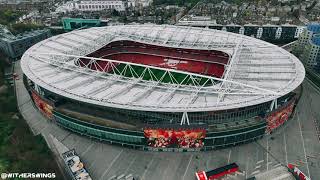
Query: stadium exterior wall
x=225, y=128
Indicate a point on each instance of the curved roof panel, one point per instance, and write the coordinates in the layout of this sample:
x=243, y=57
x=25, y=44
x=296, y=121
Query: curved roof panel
x=257, y=71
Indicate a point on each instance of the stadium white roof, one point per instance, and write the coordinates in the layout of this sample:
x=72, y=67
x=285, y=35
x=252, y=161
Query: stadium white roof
x=257, y=71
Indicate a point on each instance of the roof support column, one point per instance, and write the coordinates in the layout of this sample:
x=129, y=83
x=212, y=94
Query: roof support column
x=274, y=104
x=185, y=118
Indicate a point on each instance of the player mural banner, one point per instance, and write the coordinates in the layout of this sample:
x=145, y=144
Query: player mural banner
x=175, y=138
x=277, y=118
x=42, y=105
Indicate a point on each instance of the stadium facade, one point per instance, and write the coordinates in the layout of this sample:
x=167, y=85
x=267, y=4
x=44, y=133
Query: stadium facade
x=162, y=87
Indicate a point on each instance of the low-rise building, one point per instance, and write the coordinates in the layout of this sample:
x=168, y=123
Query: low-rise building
x=70, y=24
x=23, y=6
x=98, y=5
x=139, y=3
x=92, y=5
x=15, y=46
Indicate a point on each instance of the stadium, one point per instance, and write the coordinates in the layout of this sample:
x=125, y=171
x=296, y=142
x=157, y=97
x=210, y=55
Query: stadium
x=163, y=87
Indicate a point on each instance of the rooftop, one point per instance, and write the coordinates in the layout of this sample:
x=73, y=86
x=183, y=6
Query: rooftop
x=257, y=71
x=5, y=35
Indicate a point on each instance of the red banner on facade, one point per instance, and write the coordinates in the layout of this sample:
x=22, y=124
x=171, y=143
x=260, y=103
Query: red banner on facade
x=277, y=118
x=42, y=105
x=190, y=138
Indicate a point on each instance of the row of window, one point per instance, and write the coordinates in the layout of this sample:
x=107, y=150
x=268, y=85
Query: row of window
x=228, y=116
x=100, y=134
x=237, y=137
x=150, y=117
x=99, y=6
x=279, y=33
x=145, y=117
x=219, y=146
x=168, y=117
x=234, y=140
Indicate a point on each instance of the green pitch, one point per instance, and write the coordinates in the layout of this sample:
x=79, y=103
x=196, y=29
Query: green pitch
x=160, y=75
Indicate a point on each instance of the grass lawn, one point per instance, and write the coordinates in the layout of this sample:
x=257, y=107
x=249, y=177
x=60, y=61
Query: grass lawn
x=177, y=78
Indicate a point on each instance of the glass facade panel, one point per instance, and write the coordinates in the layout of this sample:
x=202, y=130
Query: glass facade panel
x=225, y=128
x=100, y=134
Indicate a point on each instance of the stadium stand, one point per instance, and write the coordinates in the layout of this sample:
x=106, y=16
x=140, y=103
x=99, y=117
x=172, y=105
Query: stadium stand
x=205, y=62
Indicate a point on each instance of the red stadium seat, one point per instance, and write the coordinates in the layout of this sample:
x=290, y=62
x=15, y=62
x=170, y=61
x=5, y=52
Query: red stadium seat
x=190, y=60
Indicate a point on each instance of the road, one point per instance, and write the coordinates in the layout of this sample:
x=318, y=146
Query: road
x=296, y=142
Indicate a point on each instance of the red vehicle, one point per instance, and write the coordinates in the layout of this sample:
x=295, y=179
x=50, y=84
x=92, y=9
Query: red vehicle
x=217, y=173
x=296, y=172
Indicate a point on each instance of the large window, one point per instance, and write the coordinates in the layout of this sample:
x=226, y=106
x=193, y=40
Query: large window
x=102, y=133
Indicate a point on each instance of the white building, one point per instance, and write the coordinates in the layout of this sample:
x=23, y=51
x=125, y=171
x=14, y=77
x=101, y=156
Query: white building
x=278, y=33
x=259, y=32
x=299, y=30
x=66, y=7
x=131, y=3
x=241, y=30
x=92, y=5
x=140, y=3
x=98, y=5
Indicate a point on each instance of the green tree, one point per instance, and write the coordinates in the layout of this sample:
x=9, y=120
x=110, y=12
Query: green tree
x=22, y=27
x=115, y=13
